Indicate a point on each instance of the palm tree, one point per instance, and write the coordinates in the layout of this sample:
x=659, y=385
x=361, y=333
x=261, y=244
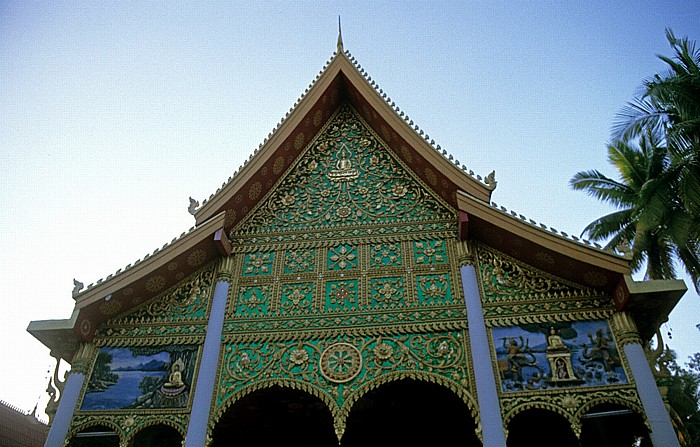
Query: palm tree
x=646, y=217
x=656, y=151
x=670, y=108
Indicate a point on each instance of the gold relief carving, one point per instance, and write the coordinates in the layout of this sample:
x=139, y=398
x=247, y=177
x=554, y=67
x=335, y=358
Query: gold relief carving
x=254, y=191
x=517, y=315
x=465, y=252
x=185, y=302
x=505, y=279
x=595, y=279
x=155, y=283
x=126, y=426
x=299, y=141
x=83, y=358
x=340, y=362
x=227, y=266
x=625, y=328
x=571, y=405
x=196, y=258
x=110, y=307
x=346, y=178
x=340, y=373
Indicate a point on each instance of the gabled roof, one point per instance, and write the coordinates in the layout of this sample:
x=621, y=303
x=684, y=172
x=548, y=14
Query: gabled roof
x=341, y=80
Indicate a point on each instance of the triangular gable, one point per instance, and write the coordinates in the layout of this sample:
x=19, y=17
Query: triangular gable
x=345, y=179
x=179, y=312
x=341, y=80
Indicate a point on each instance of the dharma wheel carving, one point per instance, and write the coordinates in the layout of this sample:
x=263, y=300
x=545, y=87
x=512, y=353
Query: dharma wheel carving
x=340, y=362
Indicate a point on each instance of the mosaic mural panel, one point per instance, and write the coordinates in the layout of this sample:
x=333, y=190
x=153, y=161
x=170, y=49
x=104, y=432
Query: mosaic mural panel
x=385, y=255
x=387, y=292
x=299, y=261
x=343, y=257
x=434, y=289
x=341, y=366
x=256, y=264
x=346, y=177
x=429, y=252
x=342, y=295
x=141, y=378
x=253, y=300
x=555, y=355
x=296, y=298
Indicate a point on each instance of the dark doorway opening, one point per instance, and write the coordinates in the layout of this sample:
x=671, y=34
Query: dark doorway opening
x=276, y=416
x=612, y=425
x=95, y=436
x=410, y=413
x=542, y=428
x=160, y=435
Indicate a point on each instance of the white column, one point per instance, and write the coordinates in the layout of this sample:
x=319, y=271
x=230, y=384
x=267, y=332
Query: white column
x=69, y=396
x=204, y=391
x=489, y=408
x=662, y=432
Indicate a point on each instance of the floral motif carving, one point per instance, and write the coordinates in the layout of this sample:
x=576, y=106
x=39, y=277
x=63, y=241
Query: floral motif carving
x=342, y=258
x=505, y=279
x=187, y=301
x=346, y=177
x=342, y=367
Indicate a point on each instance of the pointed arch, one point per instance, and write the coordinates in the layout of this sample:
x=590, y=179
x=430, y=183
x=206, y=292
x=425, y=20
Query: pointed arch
x=421, y=376
x=96, y=423
x=269, y=383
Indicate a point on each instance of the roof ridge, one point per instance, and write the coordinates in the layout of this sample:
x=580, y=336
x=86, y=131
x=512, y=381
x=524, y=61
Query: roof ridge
x=133, y=264
x=561, y=234
x=273, y=131
x=488, y=181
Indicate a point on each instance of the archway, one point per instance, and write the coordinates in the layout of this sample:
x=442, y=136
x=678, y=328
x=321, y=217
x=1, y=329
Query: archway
x=159, y=435
x=95, y=436
x=542, y=428
x=410, y=412
x=610, y=425
x=276, y=416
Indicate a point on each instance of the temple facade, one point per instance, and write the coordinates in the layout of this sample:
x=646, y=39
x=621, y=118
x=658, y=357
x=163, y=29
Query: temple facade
x=353, y=284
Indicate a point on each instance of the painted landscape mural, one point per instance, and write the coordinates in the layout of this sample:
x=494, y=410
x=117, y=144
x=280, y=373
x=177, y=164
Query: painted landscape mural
x=555, y=355
x=140, y=378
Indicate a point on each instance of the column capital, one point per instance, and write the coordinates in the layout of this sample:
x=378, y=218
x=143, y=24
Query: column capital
x=466, y=253
x=226, y=267
x=82, y=359
x=625, y=328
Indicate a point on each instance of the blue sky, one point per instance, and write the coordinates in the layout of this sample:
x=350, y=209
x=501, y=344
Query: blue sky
x=114, y=113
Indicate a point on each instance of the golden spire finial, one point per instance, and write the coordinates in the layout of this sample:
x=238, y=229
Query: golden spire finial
x=340, y=37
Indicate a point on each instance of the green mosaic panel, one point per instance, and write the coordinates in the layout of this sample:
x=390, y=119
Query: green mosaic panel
x=387, y=255
x=441, y=354
x=347, y=178
x=256, y=264
x=299, y=261
x=296, y=298
x=342, y=257
x=252, y=301
x=387, y=292
x=429, y=252
x=341, y=295
x=433, y=289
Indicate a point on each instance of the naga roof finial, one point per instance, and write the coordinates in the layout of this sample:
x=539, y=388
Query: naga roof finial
x=340, y=37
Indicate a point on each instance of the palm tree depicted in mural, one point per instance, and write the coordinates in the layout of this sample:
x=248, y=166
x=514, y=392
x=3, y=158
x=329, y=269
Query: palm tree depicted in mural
x=656, y=152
